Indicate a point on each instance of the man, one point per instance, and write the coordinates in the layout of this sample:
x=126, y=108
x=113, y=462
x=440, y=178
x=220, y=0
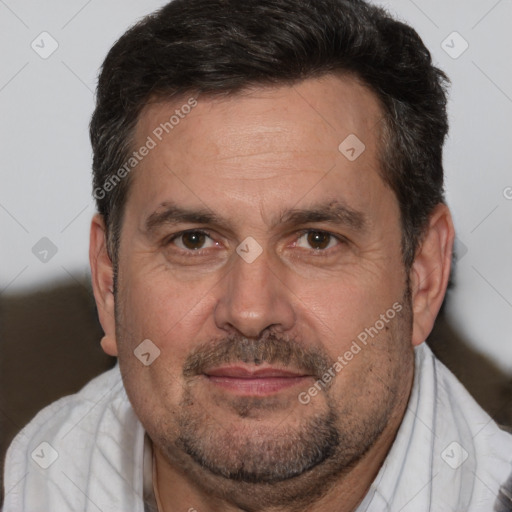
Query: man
x=271, y=250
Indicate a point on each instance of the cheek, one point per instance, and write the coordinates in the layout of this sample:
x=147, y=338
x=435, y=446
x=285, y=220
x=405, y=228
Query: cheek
x=377, y=363
x=153, y=307
x=174, y=316
x=171, y=312
x=341, y=309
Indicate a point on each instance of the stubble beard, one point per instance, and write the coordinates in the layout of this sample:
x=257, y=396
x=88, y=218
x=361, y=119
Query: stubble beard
x=288, y=466
x=281, y=466
x=284, y=466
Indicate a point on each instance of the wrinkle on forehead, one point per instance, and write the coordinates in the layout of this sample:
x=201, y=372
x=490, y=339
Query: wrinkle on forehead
x=256, y=129
x=270, y=149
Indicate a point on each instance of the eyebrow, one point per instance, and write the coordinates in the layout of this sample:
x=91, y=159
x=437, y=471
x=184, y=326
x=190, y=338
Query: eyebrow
x=170, y=213
x=335, y=212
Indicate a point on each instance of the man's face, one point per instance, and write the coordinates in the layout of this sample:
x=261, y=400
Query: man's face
x=251, y=242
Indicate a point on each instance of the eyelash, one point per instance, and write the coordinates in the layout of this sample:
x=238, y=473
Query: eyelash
x=318, y=252
x=340, y=239
x=172, y=238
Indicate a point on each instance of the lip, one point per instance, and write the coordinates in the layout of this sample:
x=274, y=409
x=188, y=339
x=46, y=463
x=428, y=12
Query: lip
x=249, y=381
x=243, y=372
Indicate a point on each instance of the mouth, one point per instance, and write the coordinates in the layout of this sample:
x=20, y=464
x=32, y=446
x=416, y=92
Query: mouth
x=252, y=381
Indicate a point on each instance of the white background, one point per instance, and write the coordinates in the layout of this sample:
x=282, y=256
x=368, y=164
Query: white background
x=45, y=166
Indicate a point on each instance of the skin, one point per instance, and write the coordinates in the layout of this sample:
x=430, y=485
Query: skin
x=248, y=159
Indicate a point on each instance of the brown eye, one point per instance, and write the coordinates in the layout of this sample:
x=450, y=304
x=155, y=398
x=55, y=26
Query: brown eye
x=191, y=240
x=318, y=239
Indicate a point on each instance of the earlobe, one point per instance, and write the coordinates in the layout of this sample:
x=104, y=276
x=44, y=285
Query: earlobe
x=430, y=272
x=102, y=273
x=109, y=345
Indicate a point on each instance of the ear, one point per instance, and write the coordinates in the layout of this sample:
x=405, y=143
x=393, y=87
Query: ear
x=102, y=272
x=430, y=272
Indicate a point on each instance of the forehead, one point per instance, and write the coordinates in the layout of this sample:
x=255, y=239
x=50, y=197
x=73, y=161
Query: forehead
x=325, y=104
x=261, y=146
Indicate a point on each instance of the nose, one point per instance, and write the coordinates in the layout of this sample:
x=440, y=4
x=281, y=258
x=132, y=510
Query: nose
x=253, y=298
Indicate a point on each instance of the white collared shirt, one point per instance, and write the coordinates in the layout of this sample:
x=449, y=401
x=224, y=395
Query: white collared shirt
x=89, y=452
